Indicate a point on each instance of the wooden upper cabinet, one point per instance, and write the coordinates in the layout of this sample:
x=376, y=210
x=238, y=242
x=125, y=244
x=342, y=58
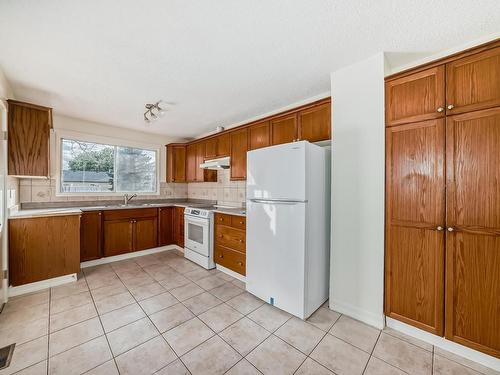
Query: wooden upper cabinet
x=415, y=97
x=473, y=245
x=176, y=163
x=315, y=123
x=223, y=145
x=284, y=129
x=90, y=235
x=415, y=221
x=217, y=147
x=259, y=135
x=200, y=158
x=28, y=139
x=473, y=82
x=211, y=148
x=191, y=163
x=239, y=148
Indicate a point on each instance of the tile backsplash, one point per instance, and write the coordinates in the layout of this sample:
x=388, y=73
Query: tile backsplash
x=37, y=190
x=224, y=191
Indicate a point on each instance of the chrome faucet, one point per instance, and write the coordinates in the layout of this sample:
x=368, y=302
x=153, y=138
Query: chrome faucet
x=127, y=199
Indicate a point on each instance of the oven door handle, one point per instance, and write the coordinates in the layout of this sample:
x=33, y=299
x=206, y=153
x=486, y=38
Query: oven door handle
x=194, y=220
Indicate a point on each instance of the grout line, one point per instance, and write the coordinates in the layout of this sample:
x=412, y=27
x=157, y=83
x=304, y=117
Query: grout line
x=373, y=349
x=104, y=332
x=48, y=330
x=148, y=317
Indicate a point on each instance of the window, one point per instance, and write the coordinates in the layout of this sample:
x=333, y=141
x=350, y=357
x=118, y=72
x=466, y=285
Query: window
x=88, y=167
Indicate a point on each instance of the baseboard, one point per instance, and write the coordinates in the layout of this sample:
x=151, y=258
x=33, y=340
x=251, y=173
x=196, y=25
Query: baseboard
x=364, y=316
x=236, y=275
x=40, y=285
x=441, y=342
x=135, y=254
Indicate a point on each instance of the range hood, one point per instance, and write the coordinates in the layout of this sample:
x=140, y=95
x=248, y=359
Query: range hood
x=221, y=163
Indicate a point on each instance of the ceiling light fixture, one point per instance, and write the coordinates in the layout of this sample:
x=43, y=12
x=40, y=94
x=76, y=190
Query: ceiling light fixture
x=153, y=112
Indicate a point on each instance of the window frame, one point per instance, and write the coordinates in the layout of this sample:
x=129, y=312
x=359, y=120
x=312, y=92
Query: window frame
x=109, y=141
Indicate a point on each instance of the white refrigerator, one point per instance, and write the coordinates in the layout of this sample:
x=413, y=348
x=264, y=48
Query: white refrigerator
x=288, y=226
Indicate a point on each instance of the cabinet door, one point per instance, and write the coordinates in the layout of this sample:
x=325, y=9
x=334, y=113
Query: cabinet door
x=28, y=140
x=179, y=164
x=165, y=226
x=315, y=123
x=90, y=235
x=145, y=233
x=118, y=236
x=416, y=97
x=473, y=83
x=239, y=145
x=200, y=158
x=179, y=226
x=415, y=216
x=41, y=248
x=211, y=148
x=223, y=145
x=259, y=135
x=191, y=163
x=284, y=129
x=176, y=163
x=473, y=247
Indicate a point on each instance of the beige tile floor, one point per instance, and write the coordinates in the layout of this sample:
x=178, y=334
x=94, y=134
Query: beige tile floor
x=163, y=314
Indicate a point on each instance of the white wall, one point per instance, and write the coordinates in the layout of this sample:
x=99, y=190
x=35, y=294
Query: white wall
x=357, y=258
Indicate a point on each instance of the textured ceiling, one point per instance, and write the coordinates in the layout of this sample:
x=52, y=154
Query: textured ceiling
x=215, y=62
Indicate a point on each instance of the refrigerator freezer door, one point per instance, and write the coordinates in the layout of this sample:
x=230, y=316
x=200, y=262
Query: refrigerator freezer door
x=277, y=172
x=275, y=254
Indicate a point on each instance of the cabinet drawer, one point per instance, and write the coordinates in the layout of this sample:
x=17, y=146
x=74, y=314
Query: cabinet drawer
x=222, y=219
x=129, y=213
x=230, y=237
x=231, y=259
x=239, y=222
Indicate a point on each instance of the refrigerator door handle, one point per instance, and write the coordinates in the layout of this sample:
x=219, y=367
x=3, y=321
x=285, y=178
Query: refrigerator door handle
x=278, y=201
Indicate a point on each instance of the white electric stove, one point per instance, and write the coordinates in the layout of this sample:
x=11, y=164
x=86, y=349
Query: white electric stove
x=198, y=235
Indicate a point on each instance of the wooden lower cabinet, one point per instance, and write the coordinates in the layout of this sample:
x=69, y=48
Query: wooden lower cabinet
x=179, y=226
x=230, y=242
x=41, y=248
x=118, y=237
x=231, y=259
x=90, y=235
x=166, y=226
x=130, y=230
x=145, y=233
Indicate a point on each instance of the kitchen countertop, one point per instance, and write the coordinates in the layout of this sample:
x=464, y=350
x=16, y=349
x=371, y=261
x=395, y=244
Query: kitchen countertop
x=61, y=211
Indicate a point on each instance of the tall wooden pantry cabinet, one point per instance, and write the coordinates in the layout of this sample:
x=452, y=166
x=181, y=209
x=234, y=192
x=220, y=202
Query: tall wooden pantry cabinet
x=442, y=257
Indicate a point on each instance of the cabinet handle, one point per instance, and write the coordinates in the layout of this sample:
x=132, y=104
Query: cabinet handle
x=221, y=219
x=451, y=229
x=439, y=228
x=220, y=235
x=100, y=213
x=241, y=241
x=440, y=109
x=241, y=222
x=221, y=256
x=450, y=106
x=240, y=263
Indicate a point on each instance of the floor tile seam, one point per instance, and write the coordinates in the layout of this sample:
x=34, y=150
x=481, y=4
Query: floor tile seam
x=408, y=342
x=371, y=352
x=102, y=326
